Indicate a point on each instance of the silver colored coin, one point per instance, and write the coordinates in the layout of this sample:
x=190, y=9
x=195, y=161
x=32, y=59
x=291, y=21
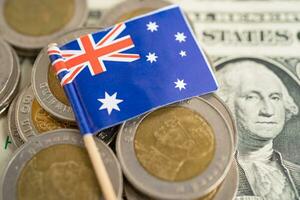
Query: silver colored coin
x=227, y=190
x=63, y=136
x=129, y=9
x=12, y=127
x=219, y=104
x=23, y=119
x=40, y=84
x=13, y=82
x=190, y=189
x=108, y=135
x=229, y=187
x=9, y=75
x=23, y=41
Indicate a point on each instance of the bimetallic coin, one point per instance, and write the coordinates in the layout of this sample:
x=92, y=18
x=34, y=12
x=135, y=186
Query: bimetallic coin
x=170, y=133
x=30, y=24
x=12, y=128
x=174, y=129
x=225, y=191
x=46, y=87
x=220, y=105
x=56, y=166
x=32, y=119
x=133, y=194
x=130, y=9
x=229, y=187
x=9, y=76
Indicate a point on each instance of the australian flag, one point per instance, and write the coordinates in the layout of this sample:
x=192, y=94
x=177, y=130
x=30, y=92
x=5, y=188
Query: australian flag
x=131, y=68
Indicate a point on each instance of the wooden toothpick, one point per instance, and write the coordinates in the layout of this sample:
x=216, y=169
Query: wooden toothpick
x=99, y=168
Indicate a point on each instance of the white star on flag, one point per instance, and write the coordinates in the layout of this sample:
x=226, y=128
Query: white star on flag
x=110, y=102
x=182, y=53
x=180, y=84
x=180, y=37
x=152, y=26
x=151, y=57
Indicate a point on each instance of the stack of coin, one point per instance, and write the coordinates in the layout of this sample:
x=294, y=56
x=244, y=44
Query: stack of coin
x=29, y=25
x=226, y=191
x=26, y=119
x=56, y=166
x=9, y=76
x=183, y=151
x=130, y=9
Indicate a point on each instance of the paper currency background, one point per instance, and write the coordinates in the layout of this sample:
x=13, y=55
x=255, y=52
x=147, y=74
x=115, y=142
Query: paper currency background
x=264, y=37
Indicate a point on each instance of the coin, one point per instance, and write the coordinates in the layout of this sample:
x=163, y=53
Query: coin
x=229, y=187
x=107, y=135
x=133, y=194
x=224, y=110
x=56, y=166
x=130, y=9
x=197, y=186
x=10, y=75
x=162, y=133
x=32, y=119
x=30, y=24
x=46, y=87
x=227, y=190
x=12, y=128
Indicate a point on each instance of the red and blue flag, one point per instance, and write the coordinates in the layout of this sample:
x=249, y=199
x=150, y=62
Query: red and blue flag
x=131, y=68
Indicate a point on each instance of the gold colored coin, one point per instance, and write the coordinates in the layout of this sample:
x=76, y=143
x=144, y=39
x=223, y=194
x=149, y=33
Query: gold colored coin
x=174, y=143
x=134, y=13
x=61, y=171
x=38, y=17
x=55, y=87
x=43, y=122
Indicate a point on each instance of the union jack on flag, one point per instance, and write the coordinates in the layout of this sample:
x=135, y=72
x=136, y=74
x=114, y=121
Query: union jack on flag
x=92, y=54
x=131, y=68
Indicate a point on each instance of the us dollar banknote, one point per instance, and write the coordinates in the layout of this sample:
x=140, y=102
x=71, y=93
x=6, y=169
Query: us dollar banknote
x=255, y=49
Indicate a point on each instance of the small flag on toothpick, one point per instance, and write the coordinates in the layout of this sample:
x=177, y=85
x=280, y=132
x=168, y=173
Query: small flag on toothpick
x=131, y=68
x=119, y=73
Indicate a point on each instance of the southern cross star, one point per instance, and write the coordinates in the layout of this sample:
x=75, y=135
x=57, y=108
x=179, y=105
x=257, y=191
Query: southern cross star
x=152, y=26
x=180, y=37
x=182, y=53
x=151, y=57
x=180, y=84
x=110, y=102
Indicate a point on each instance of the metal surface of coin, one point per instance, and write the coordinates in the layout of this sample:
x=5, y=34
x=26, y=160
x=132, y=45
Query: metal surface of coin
x=174, y=143
x=228, y=189
x=219, y=104
x=193, y=188
x=12, y=127
x=132, y=194
x=108, y=135
x=32, y=24
x=32, y=119
x=130, y=9
x=9, y=76
x=51, y=99
x=56, y=166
